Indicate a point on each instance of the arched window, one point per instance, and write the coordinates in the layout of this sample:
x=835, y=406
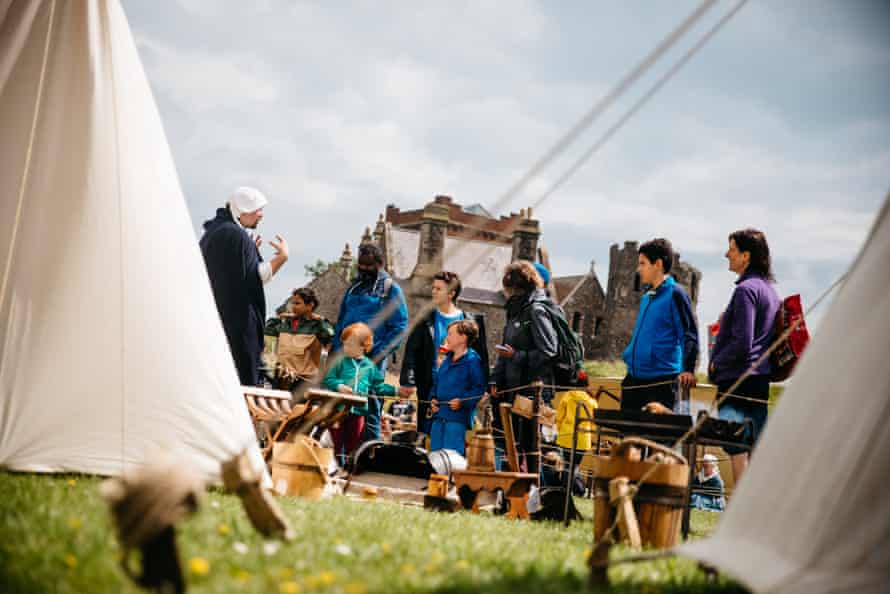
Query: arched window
x=597, y=326
x=577, y=318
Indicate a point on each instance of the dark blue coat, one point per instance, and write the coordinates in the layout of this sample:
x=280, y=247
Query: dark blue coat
x=463, y=379
x=232, y=261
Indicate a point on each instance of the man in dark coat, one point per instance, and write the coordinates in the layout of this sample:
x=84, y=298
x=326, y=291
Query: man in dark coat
x=237, y=274
x=422, y=349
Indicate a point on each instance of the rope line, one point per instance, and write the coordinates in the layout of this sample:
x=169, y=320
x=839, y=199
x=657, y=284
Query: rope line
x=554, y=151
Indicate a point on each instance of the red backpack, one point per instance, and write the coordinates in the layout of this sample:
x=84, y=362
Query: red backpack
x=790, y=349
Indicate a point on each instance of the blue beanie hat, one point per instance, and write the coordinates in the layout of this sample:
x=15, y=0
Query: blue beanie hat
x=543, y=272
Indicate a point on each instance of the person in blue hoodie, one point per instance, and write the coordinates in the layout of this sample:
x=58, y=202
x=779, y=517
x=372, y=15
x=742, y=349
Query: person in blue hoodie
x=663, y=349
x=378, y=301
x=457, y=388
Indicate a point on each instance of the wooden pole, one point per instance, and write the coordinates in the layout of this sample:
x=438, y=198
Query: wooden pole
x=534, y=461
x=509, y=441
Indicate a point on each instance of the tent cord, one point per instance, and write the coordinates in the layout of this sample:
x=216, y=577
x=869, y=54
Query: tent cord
x=553, y=152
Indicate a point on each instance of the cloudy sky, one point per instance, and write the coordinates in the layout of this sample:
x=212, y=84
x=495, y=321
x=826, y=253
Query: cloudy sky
x=336, y=109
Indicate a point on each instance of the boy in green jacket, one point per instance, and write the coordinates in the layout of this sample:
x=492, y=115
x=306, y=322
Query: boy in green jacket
x=355, y=373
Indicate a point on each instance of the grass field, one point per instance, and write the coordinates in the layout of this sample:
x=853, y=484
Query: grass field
x=57, y=537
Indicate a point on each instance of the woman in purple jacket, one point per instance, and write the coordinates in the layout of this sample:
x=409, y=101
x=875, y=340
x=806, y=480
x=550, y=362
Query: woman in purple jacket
x=746, y=332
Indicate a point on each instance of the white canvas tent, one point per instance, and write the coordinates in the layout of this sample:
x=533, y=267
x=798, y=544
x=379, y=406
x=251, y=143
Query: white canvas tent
x=110, y=343
x=812, y=513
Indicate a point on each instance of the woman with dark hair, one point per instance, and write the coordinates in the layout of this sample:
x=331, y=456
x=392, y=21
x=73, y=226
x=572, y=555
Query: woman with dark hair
x=746, y=332
x=529, y=348
x=299, y=317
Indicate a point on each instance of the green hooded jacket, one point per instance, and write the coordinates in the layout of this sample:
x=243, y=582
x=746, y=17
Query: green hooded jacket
x=362, y=376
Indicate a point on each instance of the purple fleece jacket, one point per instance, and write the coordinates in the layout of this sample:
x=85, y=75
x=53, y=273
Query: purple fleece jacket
x=746, y=329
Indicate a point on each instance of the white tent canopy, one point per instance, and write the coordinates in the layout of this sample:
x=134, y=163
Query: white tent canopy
x=110, y=343
x=812, y=513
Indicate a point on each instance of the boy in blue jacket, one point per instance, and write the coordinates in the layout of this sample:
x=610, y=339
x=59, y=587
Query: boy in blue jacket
x=457, y=388
x=663, y=350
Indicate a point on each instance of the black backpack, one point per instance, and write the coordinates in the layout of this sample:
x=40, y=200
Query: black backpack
x=570, y=349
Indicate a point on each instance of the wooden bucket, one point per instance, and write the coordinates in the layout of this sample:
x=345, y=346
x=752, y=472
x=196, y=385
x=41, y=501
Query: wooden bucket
x=480, y=452
x=660, y=500
x=301, y=467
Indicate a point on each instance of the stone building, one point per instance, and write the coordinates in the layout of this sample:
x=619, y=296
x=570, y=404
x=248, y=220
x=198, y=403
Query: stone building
x=468, y=240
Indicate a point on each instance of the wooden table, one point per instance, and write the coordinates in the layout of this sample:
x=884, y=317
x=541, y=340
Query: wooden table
x=515, y=485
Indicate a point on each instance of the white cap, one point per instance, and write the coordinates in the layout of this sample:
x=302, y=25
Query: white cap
x=709, y=458
x=246, y=199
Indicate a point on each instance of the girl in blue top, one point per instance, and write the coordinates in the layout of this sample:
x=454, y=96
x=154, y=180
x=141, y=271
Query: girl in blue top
x=457, y=388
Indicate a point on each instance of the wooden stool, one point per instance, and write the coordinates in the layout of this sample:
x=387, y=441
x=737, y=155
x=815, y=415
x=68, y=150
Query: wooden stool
x=515, y=485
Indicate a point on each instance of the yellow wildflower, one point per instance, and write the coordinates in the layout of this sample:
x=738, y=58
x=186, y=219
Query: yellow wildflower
x=223, y=528
x=288, y=587
x=407, y=568
x=285, y=573
x=327, y=578
x=74, y=523
x=462, y=564
x=199, y=566
x=71, y=561
x=355, y=588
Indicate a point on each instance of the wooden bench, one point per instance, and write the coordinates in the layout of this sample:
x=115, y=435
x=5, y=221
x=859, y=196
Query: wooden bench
x=317, y=412
x=267, y=408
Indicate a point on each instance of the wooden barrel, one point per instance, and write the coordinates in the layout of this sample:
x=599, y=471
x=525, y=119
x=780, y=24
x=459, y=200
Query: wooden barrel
x=300, y=467
x=480, y=452
x=659, y=502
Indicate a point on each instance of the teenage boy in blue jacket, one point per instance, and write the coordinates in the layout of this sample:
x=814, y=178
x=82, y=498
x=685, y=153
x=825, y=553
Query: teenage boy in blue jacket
x=663, y=350
x=457, y=388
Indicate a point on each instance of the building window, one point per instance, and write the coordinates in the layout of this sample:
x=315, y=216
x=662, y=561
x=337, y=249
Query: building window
x=597, y=326
x=577, y=318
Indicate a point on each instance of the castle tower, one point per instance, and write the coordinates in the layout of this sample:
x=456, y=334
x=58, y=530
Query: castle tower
x=346, y=263
x=431, y=249
x=525, y=237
